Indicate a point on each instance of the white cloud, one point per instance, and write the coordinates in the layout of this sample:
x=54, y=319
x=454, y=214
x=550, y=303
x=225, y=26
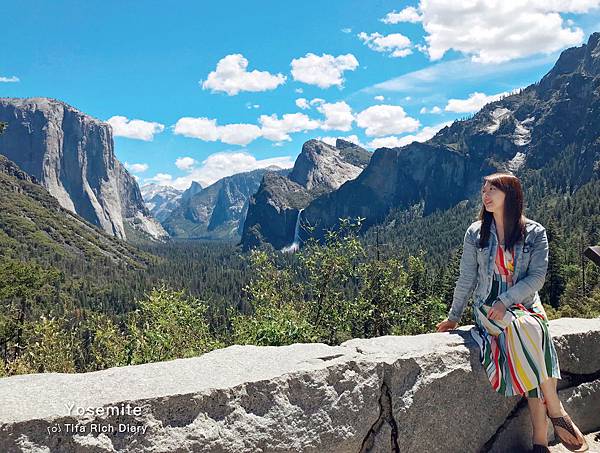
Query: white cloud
x=207, y=129
x=11, y=79
x=338, y=116
x=202, y=128
x=250, y=105
x=349, y=138
x=346, y=30
x=385, y=142
x=473, y=103
x=493, y=32
x=231, y=76
x=422, y=136
x=137, y=129
x=305, y=104
x=379, y=98
x=408, y=14
x=185, y=163
x=385, y=119
x=299, y=90
x=163, y=179
x=323, y=71
x=435, y=110
x=396, y=44
x=239, y=134
x=302, y=103
x=277, y=130
x=457, y=73
x=136, y=168
x=220, y=165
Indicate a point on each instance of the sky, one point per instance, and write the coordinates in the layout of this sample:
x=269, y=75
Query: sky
x=199, y=90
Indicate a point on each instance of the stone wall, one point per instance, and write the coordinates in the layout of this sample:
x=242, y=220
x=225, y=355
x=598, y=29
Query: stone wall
x=423, y=393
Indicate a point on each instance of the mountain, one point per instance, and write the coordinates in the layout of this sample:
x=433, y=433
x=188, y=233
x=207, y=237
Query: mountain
x=319, y=169
x=72, y=155
x=34, y=225
x=217, y=211
x=195, y=187
x=551, y=128
x=160, y=200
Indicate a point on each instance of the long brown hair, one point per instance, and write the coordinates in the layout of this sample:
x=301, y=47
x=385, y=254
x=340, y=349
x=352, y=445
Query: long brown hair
x=514, y=220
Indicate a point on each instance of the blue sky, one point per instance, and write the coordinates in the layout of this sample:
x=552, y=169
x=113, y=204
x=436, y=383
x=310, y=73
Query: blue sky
x=381, y=72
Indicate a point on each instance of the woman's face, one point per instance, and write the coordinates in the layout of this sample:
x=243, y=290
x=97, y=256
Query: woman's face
x=492, y=198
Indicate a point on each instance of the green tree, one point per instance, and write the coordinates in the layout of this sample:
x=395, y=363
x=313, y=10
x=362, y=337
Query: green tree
x=330, y=273
x=49, y=347
x=102, y=343
x=166, y=325
x=23, y=288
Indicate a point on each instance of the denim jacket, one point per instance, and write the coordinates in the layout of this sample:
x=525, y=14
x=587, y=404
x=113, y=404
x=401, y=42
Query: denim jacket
x=477, y=268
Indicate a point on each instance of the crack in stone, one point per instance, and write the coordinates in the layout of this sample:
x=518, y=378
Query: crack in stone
x=577, y=379
x=330, y=357
x=385, y=416
x=574, y=378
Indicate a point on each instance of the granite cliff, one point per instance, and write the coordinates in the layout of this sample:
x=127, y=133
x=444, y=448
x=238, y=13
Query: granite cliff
x=72, y=155
x=34, y=225
x=319, y=169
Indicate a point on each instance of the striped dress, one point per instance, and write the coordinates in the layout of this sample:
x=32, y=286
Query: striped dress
x=522, y=355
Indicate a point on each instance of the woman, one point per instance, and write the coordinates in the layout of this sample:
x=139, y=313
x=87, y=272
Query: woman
x=504, y=261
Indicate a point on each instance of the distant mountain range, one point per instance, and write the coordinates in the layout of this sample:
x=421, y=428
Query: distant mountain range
x=216, y=212
x=72, y=155
x=551, y=127
x=160, y=200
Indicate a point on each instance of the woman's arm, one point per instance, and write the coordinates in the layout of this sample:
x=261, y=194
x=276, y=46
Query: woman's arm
x=536, y=273
x=467, y=281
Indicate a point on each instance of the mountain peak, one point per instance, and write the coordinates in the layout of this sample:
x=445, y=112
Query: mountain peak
x=584, y=60
x=322, y=167
x=340, y=143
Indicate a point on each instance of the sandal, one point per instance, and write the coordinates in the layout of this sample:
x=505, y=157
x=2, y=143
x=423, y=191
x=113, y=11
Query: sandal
x=537, y=448
x=566, y=423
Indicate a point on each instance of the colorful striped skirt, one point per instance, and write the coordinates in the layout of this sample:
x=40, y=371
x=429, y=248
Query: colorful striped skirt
x=523, y=356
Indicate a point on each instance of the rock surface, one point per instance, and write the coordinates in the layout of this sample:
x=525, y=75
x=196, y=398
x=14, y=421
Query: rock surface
x=423, y=393
x=160, y=200
x=319, y=169
x=217, y=211
x=72, y=155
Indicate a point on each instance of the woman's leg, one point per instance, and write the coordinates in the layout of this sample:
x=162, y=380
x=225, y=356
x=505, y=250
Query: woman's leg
x=556, y=409
x=539, y=422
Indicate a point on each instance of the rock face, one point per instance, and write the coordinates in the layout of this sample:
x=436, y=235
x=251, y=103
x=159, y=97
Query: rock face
x=423, y=393
x=160, y=200
x=551, y=126
x=217, y=211
x=72, y=155
x=34, y=225
x=319, y=169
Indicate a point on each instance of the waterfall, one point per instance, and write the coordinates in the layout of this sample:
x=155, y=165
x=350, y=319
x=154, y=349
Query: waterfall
x=295, y=245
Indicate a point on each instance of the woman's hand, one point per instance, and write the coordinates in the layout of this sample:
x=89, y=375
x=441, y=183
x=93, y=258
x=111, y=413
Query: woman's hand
x=497, y=311
x=446, y=325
